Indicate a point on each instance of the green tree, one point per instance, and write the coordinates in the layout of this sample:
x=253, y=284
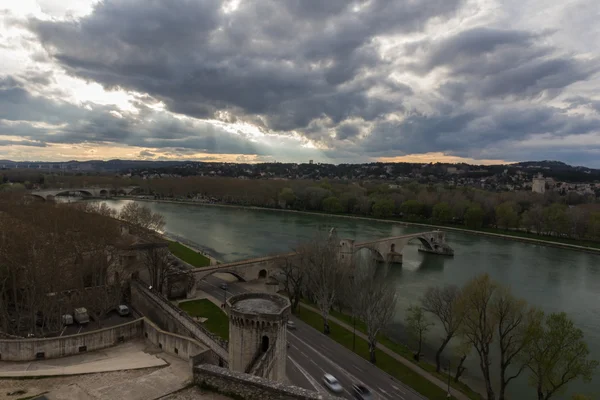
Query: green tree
x=287, y=196
x=474, y=217
x=479, y=326
x=556, y=221
x=442, y=212
x=348, y=201
x=557, y=356
x=417, y=326
x=594, y=225
x=516, y=329
x=332, y=205
x=533, y=219
x=412, y=209
x=506, y=215
x=383, y=208
x=315, y=197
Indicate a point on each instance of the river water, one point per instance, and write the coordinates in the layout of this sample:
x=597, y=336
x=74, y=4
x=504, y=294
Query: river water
x=550, y=278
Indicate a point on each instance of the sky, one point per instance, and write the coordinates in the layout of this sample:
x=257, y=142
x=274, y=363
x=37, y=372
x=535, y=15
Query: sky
x=337, y=81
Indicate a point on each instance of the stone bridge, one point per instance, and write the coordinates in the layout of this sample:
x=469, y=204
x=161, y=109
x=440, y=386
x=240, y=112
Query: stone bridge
x=383, y=250
x=50, y=194
x=390, y=249
x=246, y=270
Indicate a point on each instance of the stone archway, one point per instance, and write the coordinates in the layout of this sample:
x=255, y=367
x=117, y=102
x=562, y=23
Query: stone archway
x=262, y=273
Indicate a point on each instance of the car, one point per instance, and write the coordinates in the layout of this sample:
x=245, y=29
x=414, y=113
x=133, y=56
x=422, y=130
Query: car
x=224, y=286
x=332, y=384
x=123, y=310
x=291, y=325
x=361, y=392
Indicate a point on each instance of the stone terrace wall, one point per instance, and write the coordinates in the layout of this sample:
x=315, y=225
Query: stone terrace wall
x=250, y=387
x=172, y=319
x=32, y=349
x=179, y=346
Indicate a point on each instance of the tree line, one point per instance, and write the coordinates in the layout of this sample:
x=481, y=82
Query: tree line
x=506, y=334
x=572, y=216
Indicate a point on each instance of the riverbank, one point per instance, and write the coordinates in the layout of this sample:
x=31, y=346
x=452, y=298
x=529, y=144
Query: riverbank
x=188, y=252
x=517, y=236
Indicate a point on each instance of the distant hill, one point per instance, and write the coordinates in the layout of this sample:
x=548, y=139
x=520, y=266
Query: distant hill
x=555, y=169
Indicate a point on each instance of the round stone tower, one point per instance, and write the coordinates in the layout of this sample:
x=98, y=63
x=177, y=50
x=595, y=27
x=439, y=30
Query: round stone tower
x=258, y=334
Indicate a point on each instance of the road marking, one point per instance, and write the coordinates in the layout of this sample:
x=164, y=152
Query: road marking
x=309, y=378
x=396, y=388
x=360, y=369
x=342, y=370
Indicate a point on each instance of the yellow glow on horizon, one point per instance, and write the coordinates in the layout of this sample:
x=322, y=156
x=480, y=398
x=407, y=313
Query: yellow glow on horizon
x=439, y=157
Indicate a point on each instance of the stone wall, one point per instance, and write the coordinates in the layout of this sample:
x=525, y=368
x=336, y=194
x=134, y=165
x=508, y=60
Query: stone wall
x=177, y=345
x=250, y=387
x=33, y=349
x=170, y=318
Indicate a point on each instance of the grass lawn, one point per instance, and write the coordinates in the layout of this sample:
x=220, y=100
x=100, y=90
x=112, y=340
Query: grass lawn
x=217, y=321
x=396, y=347
x=188, y=255
x=384, y=361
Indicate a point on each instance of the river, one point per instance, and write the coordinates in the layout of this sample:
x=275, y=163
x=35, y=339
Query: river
x=551, y=278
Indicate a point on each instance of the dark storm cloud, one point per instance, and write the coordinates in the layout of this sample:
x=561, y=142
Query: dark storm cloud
x=93, y=123
x=347, y=131
x=461, y=131
x=289, y=61
x=22, y=143
x=584, y=101
x=488, y=63
x=308, y=66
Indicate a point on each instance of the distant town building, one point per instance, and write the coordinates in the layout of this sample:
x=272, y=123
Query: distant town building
x=538, y=184
x=310, y=161
x=451, y=170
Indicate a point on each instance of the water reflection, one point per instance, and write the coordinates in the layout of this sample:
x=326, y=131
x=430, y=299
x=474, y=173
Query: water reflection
x=431, y=264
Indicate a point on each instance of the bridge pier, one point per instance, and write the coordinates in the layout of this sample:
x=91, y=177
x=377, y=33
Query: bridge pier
x=394, y=258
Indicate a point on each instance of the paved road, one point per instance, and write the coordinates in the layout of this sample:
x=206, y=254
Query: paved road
x=312, y=354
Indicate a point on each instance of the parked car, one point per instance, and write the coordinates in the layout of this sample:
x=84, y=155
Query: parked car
x=123, y=310
x=67, y=319
x=224, y=286
x=361, y=392
x=291, y=325
x=81, y=315
x=332, y=384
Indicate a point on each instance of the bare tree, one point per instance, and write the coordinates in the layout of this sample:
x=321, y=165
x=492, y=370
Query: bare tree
x=179, y=277
x=479, y=324
x=443, y=303
x=100, y=300
x=294, y=277
x=516, y=326
x=324, y=272
x=375, y=300
x=157, y=262
x=417, y=326
x=142, y=216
